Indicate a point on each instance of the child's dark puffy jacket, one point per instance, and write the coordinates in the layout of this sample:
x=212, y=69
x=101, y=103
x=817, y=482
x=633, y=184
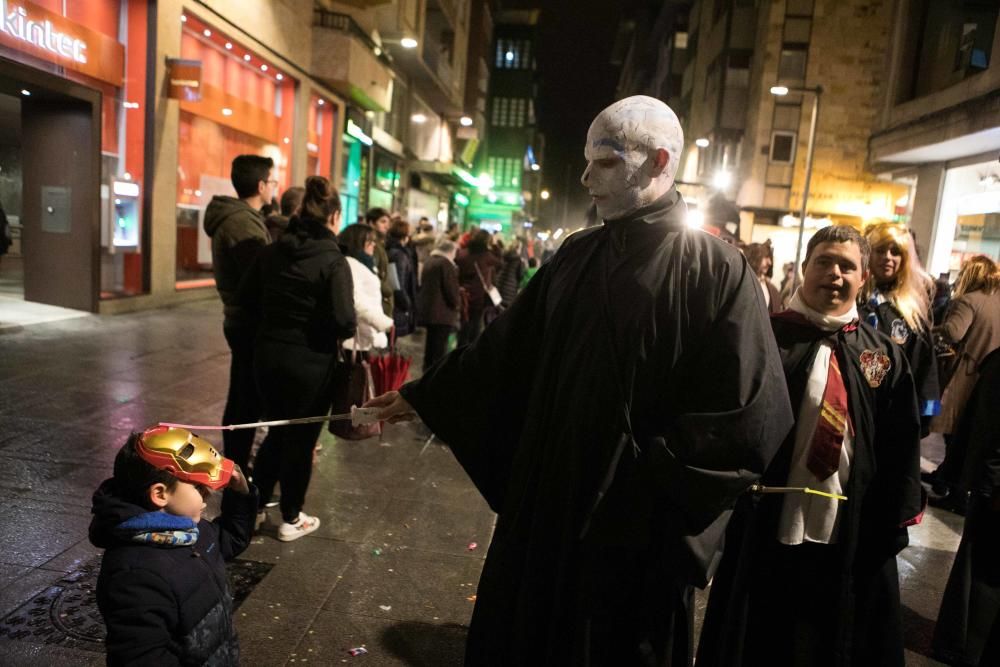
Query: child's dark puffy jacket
x=169, y=605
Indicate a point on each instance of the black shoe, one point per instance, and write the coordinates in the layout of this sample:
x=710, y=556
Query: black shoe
x=953, y=501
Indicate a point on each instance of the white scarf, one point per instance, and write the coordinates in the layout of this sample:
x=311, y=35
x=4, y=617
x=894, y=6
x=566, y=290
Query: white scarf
x=824, y=322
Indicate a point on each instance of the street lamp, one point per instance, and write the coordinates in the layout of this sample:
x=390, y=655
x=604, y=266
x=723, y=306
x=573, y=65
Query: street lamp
x=781, y=91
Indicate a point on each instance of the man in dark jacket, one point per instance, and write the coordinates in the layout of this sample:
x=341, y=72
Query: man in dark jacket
x=439, y=300
x=162, y=588
x=238, y=234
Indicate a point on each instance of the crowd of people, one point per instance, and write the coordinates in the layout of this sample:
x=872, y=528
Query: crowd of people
x=645, y=411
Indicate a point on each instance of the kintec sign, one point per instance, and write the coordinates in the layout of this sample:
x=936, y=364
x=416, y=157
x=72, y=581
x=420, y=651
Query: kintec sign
x=44, y=34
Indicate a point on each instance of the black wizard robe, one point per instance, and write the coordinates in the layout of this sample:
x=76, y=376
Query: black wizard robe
x=854, y=598
x=610, y=417
x=968, y=625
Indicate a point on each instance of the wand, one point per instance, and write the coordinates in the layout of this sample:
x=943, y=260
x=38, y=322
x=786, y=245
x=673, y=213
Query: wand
x=357, y=416
x=760, y=488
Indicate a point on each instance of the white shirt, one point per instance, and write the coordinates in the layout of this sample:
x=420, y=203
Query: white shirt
x=808, y=517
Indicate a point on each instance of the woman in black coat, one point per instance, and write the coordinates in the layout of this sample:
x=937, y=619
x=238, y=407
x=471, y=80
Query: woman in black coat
x=405, y=294
x=302, y=295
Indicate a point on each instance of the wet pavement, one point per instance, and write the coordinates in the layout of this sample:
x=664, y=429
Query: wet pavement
x=392, y=569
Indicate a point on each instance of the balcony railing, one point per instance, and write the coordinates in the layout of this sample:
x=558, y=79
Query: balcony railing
x=345, y=23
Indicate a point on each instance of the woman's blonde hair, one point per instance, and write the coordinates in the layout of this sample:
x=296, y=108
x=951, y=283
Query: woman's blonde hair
x=910, y=292
x=978, y=273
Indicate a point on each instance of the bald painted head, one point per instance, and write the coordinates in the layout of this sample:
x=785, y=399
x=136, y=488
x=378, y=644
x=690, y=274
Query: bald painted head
x=633, y=149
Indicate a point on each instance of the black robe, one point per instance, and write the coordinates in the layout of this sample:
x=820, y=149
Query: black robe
x=968, y=625
x=918, y=348
x=754, y=600
x=611, y=417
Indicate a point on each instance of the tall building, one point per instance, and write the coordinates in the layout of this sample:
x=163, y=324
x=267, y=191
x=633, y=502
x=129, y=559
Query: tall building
x=509, y=165
x=937, y=129
x=749, y=146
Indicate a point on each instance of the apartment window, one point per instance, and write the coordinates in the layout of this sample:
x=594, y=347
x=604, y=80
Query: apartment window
x=792, y=64
x=947, y=42
x=680, y=40
x=513, y=54
x=738, y=70
x=782, y=147
x=511, y=112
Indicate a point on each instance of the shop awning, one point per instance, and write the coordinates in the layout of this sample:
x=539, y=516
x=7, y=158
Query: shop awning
x=446, y=173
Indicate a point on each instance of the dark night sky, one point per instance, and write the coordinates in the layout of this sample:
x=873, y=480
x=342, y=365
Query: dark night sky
x=575, y=81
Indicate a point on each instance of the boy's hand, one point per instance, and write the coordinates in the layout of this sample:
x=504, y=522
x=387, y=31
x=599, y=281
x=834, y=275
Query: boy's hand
x=238, y=482
x=394, y=407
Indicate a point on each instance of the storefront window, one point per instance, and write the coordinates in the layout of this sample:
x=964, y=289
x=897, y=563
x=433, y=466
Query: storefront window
x=322, y=122
x=385, y=183
x=246, y=107
x=969, y=219
x=350, y=181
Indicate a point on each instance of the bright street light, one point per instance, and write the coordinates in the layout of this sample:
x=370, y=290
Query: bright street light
x=408, y=43
x=694, y=218
x=780, y=91
x=544, y=194
x=722, y=180
x=418, y=118
x=535, y=166
x=465, y=121
x=701, y=143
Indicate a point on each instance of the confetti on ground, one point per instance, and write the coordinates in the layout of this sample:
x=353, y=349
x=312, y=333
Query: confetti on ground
x=361, y=650
x=385, y=607
x=376, y=552
x=471, y=598
x=472, y=546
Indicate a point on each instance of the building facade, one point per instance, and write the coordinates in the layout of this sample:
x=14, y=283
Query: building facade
x=119, y=120
x=747, y=145
x=937, y=129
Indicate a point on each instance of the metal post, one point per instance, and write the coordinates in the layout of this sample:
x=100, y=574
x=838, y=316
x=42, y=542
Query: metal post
x=805, y=189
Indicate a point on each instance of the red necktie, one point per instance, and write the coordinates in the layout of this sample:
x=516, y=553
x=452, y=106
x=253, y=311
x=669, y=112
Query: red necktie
x=828, y=439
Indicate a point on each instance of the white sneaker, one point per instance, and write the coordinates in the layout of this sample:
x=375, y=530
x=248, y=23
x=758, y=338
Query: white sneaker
x=293, y=531
x=259, y=521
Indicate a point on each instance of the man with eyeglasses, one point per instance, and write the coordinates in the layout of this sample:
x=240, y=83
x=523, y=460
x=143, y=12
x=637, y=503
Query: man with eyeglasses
x=238, y=233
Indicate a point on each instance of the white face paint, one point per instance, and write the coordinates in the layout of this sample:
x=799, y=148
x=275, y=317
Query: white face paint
x=622, y=143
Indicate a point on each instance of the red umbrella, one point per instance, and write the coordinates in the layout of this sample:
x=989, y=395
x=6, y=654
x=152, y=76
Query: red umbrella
x=390, y=370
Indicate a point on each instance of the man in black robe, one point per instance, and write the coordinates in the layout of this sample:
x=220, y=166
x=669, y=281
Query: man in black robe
x=809, y=579
x=611, y=417
x=968, y=625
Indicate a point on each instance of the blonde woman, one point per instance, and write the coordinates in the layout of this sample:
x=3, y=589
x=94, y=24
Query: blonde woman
x=896, y=300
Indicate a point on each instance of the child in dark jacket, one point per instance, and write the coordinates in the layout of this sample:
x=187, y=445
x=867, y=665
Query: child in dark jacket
x=162, y=587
